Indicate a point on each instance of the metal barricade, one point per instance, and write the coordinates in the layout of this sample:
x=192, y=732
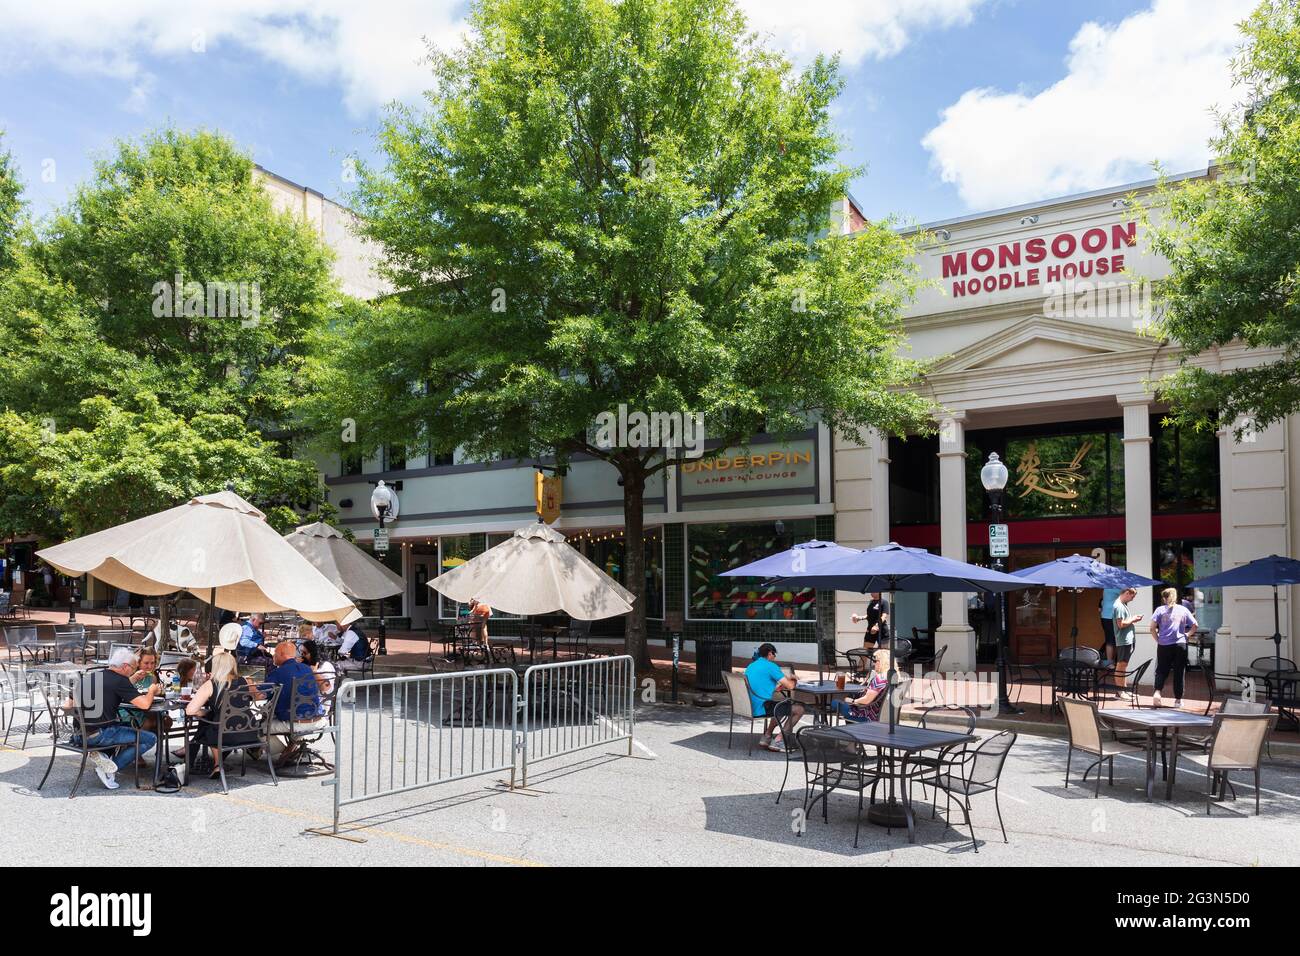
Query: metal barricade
x=398, y=734
x=573, y=705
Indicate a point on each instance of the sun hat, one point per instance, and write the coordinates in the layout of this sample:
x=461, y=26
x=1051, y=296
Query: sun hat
x=229, y=635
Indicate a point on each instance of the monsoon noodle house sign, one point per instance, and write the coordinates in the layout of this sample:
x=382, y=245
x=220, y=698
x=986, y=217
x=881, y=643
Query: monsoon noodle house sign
x=1081, y=254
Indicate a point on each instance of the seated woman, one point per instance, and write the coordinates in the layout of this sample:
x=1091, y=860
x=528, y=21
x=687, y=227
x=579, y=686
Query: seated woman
x=868, y=706
x=309, y=654
x=143, y=676
x=206, y=703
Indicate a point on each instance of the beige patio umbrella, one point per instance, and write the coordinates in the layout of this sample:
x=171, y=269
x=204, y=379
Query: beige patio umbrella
x=219, y=548
x=536, y=571
x=347, y=567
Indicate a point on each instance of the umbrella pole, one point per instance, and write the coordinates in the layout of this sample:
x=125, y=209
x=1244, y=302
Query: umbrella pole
x=212, y=621
x=1074, y=627
x=892, y=678
x=1277, y=644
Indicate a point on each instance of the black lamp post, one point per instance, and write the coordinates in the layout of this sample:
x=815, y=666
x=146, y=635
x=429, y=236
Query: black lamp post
x=74, y=600
x=994, y=478
x=381, y=502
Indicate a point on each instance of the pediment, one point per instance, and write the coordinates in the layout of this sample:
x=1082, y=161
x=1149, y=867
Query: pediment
x=1038, y=340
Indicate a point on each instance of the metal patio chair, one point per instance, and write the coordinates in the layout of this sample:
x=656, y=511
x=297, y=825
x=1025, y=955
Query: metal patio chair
x=979, y=771
x=833, y=760
x=1086, y=734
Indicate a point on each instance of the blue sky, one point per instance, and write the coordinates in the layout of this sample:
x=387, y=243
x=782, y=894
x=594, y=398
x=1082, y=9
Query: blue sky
x=954, y=105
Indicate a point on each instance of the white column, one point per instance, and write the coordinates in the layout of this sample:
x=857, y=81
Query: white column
x=861, y=478
x=955, y=631
x=1137, y=513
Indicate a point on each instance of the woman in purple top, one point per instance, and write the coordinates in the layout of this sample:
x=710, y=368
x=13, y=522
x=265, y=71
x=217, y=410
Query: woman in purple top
x=1171, y=626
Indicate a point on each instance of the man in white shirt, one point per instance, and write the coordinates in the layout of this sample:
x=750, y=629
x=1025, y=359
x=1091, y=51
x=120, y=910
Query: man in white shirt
x=353, y=651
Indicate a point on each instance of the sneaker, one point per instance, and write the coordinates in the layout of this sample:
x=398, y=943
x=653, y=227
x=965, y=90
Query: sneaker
x=102, y=761
x=777, y=747
x=109, y=780
x=1178, y=705
x=764, y=741
x=1155, y=699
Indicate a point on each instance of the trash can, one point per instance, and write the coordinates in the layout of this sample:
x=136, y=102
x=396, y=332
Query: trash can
x=712, y=657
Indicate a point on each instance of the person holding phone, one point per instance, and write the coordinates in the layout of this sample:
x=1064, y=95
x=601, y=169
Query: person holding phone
x=1123, y=623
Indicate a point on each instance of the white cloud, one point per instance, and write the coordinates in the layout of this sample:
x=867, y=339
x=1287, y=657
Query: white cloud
x=373, y=50
x=1133, y=92
x=857, y=29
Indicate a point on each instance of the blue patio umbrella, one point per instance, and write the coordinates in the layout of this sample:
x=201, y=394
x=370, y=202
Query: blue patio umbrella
x=1274, y=571
x=1079, y=572
x=889, y=567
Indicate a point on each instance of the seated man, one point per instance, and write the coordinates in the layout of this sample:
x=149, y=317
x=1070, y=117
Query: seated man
x=354, y=649
x=298, y=707
x=102, y=692
x=252, y=642
x=767, y=687
x=868, y=706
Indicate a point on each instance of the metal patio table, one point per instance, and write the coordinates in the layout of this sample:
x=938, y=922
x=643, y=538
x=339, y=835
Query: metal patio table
x=905, y=741
x=1169, y=723
x=823, y=690
x=1287, y=679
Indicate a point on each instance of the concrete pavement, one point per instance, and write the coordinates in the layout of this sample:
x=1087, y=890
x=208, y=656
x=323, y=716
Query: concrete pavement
x=683, y=799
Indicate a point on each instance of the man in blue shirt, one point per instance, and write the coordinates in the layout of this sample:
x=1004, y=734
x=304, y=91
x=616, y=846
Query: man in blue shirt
x=298, y=708
x=768, y=685
x=1108, y=598
x=252, y=642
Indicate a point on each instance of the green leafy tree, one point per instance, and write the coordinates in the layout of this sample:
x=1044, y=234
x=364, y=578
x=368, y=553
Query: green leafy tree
x=188, y=207
x=618, y=202
x=11, y=206
x=1233, y=243
x=123, y=392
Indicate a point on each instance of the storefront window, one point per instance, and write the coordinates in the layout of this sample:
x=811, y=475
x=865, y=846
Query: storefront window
x=1185, y=466
x=714, y=548
x=1178, y=563
x=605, y=549
x=914, y=480
x=1065, y=475
x=453, y=552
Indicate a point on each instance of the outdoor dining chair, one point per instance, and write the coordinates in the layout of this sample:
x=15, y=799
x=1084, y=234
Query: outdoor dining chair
x=68, y=732
x=304, y=730
x=742, y=705
x=1124, y=682
x=22, y=697
x=928, y=766
x=21, y=643
x=979, y=770
x=859, y=662
x=1087, y=735
x=1023, y=674
x=1236, y=743
x=244, y=723
x=832, y=760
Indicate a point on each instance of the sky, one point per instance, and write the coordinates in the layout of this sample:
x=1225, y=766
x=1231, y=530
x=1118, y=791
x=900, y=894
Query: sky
x=952, y=106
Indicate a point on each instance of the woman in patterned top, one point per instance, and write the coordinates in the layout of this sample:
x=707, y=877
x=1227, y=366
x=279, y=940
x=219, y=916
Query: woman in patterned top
x=868, y=706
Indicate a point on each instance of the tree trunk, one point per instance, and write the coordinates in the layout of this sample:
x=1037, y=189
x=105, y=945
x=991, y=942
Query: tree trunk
x=634, y=561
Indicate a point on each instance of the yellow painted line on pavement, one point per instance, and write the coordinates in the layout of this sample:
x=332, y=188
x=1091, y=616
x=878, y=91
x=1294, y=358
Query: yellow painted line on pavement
x=391, y=834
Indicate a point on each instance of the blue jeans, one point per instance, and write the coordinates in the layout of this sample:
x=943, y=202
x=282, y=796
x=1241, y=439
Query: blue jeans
x=120, y=734
x=842, y=708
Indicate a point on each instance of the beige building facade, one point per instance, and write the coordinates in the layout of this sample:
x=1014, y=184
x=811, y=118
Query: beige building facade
x=1037, y=335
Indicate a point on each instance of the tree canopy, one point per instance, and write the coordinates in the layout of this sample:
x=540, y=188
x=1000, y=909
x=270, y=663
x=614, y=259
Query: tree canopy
x=618, y=202
x=122, y=391
x=1233, y=243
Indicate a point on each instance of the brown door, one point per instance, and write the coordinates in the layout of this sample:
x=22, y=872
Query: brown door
x=1031, y=613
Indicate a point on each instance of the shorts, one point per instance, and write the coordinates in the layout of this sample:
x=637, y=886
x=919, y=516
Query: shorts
x=1123, y=653
x=769, y=706
x=1108, y=629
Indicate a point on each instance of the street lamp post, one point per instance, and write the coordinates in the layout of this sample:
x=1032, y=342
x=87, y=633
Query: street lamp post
x=381, y=503
x=74, y=600
x=994, y=478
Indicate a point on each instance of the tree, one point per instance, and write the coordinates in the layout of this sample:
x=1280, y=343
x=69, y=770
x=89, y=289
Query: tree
x=122, y=392
x=195, y=271
x=1233, y=243
x=615, y=203
x=11, y=205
